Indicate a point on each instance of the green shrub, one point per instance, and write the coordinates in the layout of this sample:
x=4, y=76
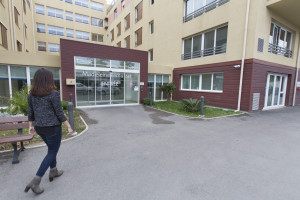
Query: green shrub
x=146, y=101
x=64, y=104
x=191, y=105
x=18, y=104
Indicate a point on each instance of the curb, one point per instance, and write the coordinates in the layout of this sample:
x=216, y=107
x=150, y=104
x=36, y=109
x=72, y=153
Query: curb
x=200, y=118
x=71, y=138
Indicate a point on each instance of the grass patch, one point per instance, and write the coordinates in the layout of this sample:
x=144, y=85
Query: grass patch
x=176, y=107
x=78, y=123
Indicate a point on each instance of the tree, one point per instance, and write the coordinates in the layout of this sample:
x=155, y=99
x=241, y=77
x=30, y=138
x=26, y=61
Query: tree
x=168, y=89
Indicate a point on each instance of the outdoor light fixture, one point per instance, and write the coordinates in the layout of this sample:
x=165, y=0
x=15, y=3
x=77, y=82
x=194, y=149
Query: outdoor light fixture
x=236, y=66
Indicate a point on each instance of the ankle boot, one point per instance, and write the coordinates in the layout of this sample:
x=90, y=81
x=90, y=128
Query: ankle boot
x=54, y=173
x=34, y=185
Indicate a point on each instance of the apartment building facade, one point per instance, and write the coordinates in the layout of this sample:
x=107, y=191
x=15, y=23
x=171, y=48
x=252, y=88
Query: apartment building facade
x=237, y=54
x=241, y=55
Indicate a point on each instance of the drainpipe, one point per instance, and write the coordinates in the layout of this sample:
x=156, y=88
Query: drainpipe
x=243, y=58
x=297, y=72
x=11, y=13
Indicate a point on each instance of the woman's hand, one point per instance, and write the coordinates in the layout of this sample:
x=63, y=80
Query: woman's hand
x=31, y=130
x=70, y=131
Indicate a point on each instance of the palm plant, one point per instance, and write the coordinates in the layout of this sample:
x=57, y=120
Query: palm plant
x=18, y=104
x=191, y=105
x=168, y=89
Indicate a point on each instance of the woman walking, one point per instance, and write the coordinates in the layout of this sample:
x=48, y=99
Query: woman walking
x=45, y=116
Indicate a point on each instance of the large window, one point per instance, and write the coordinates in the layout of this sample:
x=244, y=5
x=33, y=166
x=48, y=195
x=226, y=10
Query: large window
x=195, y=8
x=82, y=35
x=70, y=33
x=205, y=44
x=280, y=41
x=69, y=16
x=203, y=82
x=154, y=80
x=97, y=37
x=40, y=28
x=54, y=30
x=3, y=32
x=96, y=6
x=53, y=47
x=53, y=12
x=82, y=18
x=39, y=9
x=42, y=46
x=97, y=22
x=83, y=3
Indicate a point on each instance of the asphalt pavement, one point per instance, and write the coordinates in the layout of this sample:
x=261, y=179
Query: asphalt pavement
x=138, y=153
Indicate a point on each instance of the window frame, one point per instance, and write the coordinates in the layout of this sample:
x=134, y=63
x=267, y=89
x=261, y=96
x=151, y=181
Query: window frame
x=97, y=6
x=39, y=45
x=39, y=10
x=82, y=3
x=68, y=15
x=151, y=55
x=54, y=46
x=68, y=30
x=39, y=28
x=57, y=30
x=97, y=36
x=98, y=22
x=84, y=19
x=151, y=27
x=201, y=82
x=54, y=12
x=4, y=38
x=82, y=35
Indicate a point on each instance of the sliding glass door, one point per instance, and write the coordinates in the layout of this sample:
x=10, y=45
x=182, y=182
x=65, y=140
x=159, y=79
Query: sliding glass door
x=275, y=90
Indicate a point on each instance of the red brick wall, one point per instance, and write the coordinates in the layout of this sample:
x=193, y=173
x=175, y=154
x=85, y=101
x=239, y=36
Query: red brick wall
x=254, y=81
x=69, y=49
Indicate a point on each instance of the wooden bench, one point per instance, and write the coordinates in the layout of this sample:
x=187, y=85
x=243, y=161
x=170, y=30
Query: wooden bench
x=14, y=123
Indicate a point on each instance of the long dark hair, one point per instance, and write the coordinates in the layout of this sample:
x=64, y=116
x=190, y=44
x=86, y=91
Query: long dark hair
x=42, y=83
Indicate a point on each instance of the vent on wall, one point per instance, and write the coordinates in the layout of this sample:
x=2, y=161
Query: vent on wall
x=255, y=101
x=260, y=45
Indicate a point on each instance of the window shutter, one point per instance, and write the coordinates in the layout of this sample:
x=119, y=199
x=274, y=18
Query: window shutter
x=128, y=42
x=140, y=39
x=128, y=21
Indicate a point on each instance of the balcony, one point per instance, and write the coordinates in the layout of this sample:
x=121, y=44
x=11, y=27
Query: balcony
x=289, y=9
x=275, y=49
x=203, y=53
x=204, y=9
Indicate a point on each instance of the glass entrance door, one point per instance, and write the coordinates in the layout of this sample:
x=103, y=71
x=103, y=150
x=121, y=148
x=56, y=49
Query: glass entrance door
x=275, y=90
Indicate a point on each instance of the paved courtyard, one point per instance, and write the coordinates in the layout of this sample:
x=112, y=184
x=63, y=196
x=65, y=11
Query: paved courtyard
x=137, y=153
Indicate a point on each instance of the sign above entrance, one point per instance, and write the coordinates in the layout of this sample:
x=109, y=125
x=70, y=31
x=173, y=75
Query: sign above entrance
x=70, y=81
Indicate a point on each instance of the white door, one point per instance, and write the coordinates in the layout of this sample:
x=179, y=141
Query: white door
x=275, y=90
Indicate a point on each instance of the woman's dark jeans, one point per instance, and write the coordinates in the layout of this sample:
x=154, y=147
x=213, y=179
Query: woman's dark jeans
x=52, y=137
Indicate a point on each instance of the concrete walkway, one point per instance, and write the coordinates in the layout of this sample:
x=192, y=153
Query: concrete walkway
x=136, y=153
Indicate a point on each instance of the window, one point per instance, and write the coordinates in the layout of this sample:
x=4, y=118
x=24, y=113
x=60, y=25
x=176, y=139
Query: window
x=119, y=44
x=97, y=37
x=280, y=41
x=154, y=80
x=25, y=30
x=53, y=47
x=138, y=37
x=195, y=8
x=206, y=44
x=54, y=30
x=115, y=13
x=39, y=9
x=81, y=18
x=40, y=28
x=119, y=29
x=151, y=27
x=151, y=55
x=19, y=46
x=53, y=12
x=69, y=16
x=203, y=82
x=17, y=17
x=127, y=42
x=123, y=4
x=112, y=35
x=96, y=6
x=151, y=2
x=24, y=6
x=127, y=22
x=139, y=11
x=82, y=35
x=97, y=22
x=83, y=3
x=3, y=36
x=69, y=1
x=42, y=46
x=70, y=33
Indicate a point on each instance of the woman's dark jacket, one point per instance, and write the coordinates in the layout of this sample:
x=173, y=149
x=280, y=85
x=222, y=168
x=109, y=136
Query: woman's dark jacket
x=46, y=110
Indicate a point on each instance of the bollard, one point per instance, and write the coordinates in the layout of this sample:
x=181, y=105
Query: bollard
x=71, y=113
x=202, y=105
x=150, y=94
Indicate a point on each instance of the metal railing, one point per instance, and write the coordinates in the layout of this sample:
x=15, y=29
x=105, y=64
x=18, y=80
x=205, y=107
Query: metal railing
x=280, y=50
x=205, y=52
x=204, y=9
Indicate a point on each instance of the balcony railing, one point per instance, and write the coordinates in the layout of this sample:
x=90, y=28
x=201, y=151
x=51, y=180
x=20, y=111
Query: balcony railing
x=204, y=9
x=280, y=50
x=203, y=53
